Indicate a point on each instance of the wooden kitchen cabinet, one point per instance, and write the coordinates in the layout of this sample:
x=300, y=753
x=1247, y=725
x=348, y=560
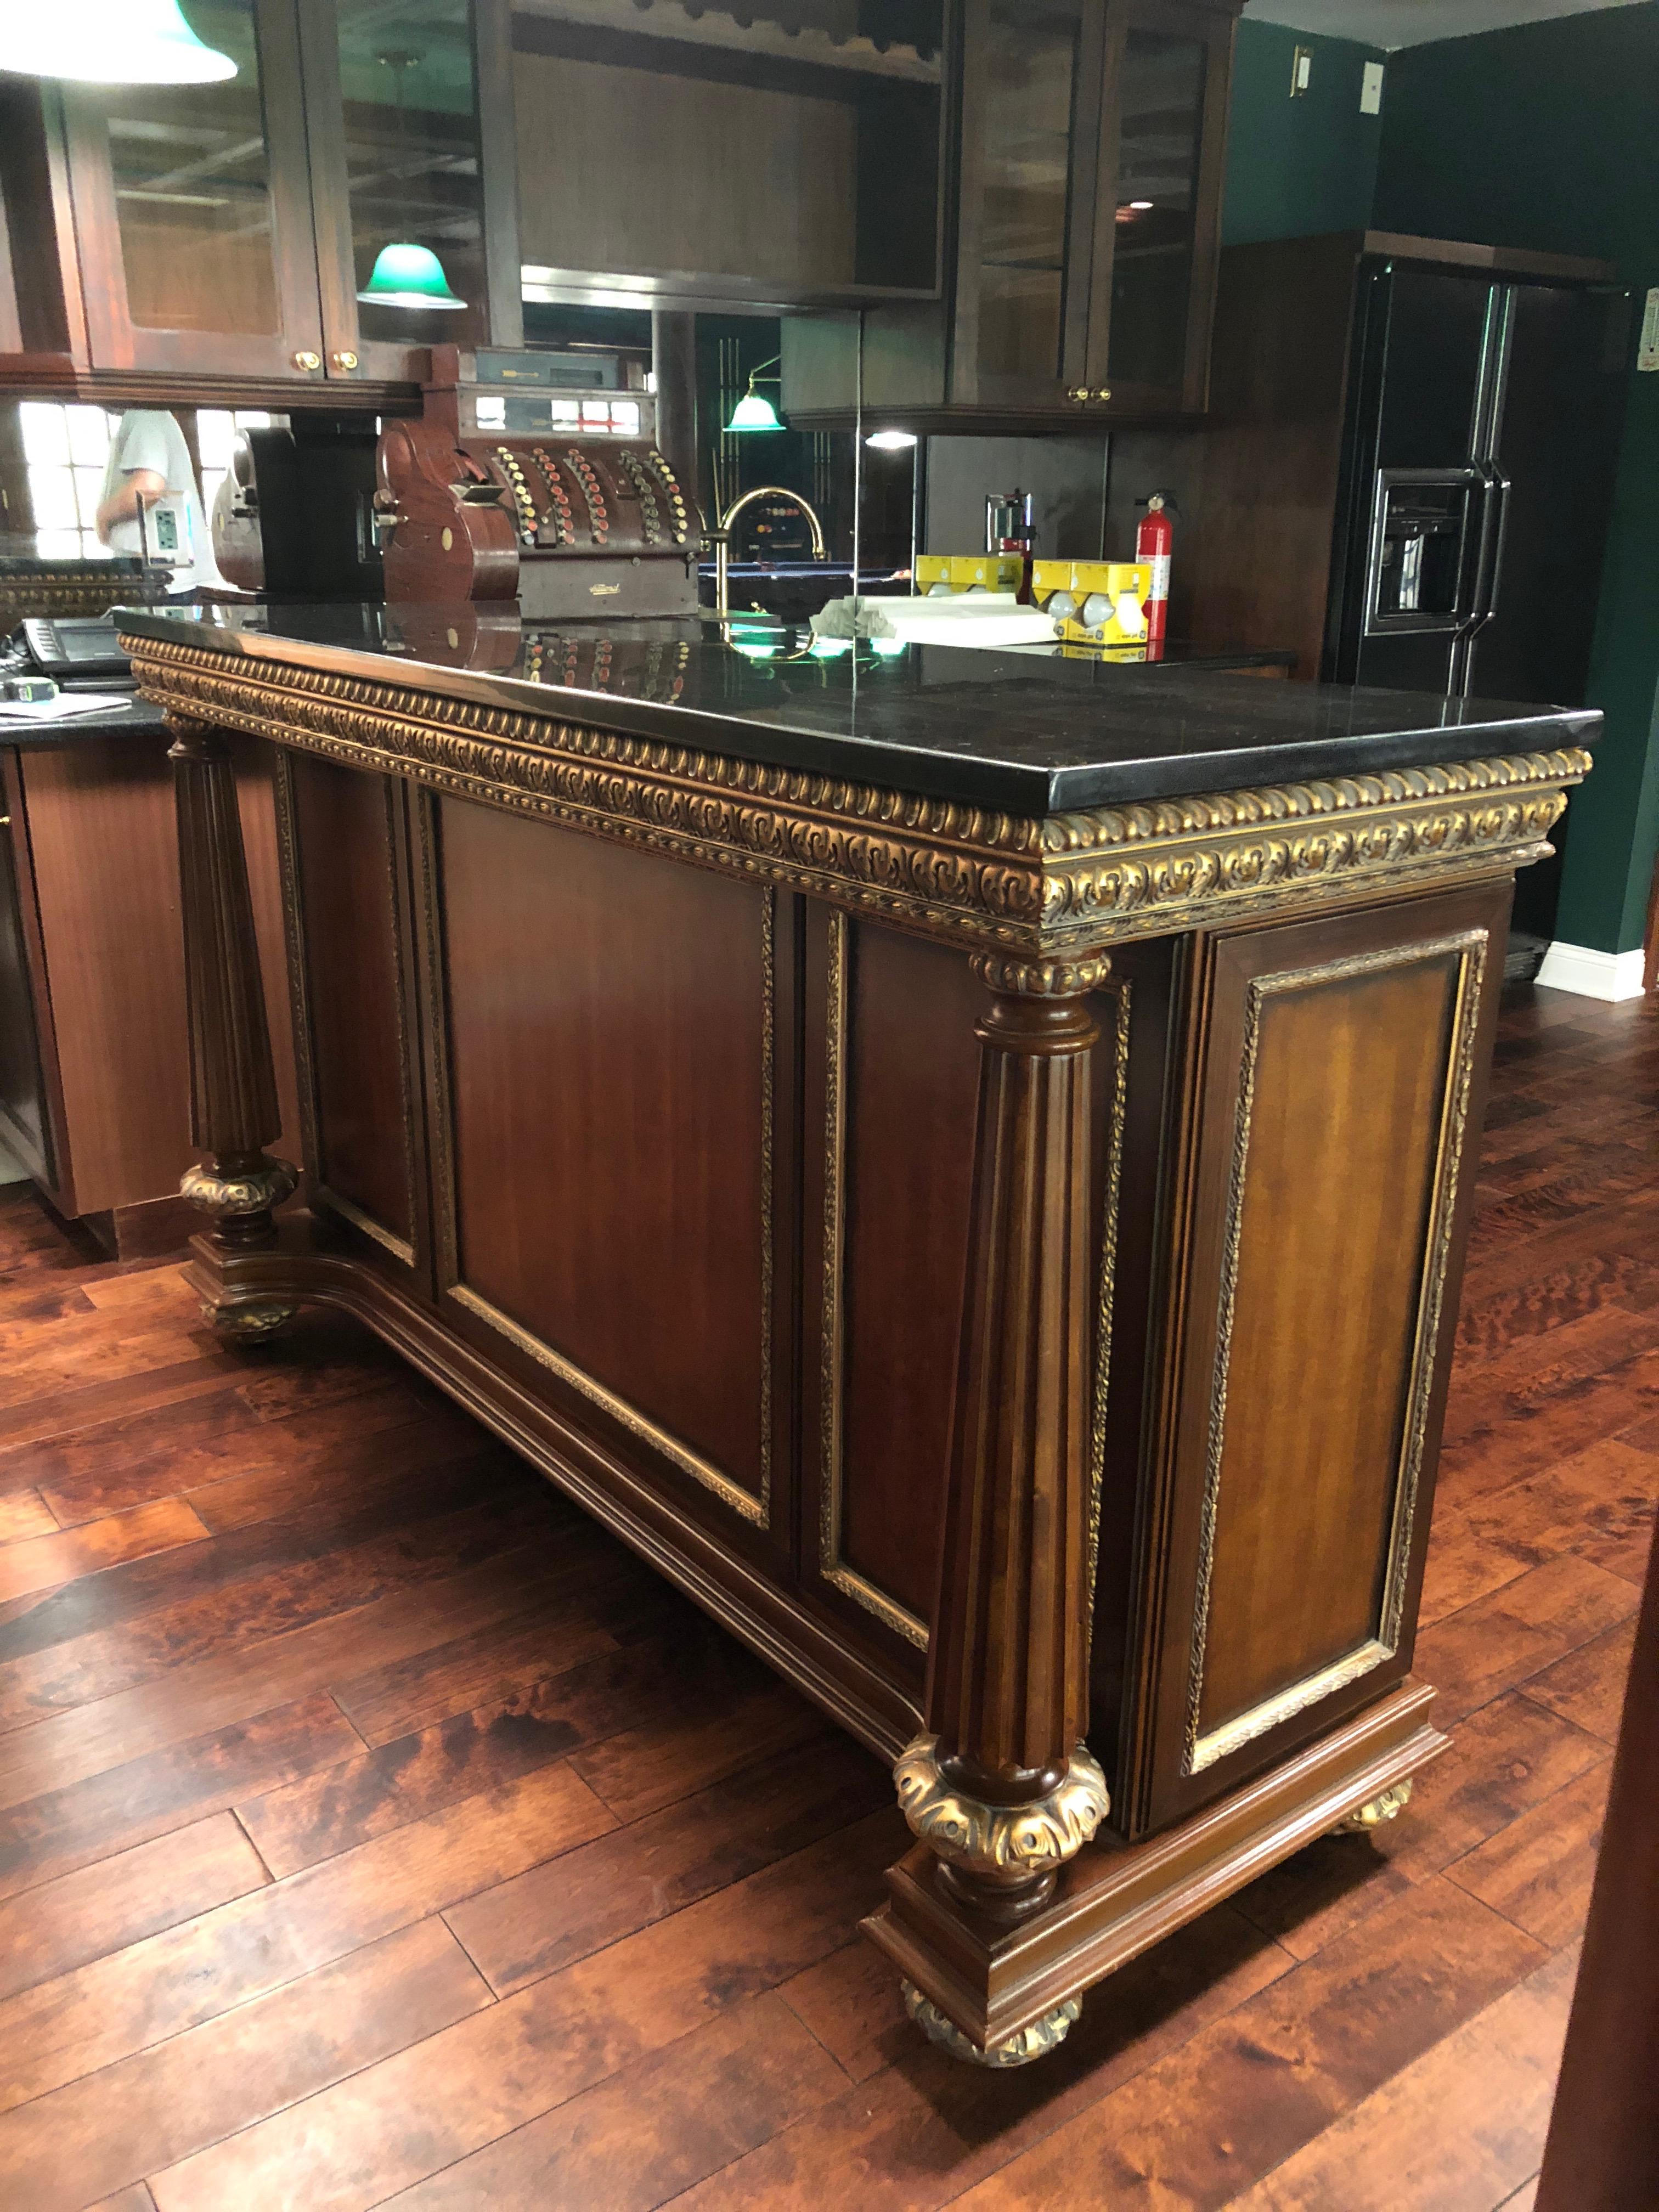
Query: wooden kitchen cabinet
x=1091, y=138
x=95, y=1093
x=218, y=234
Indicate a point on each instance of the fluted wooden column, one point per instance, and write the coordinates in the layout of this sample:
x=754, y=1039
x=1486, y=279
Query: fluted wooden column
x=235, y=1112
x=1000, y=1787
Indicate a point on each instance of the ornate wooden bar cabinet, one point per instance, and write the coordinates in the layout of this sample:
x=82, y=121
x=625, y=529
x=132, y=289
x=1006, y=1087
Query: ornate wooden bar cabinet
x=961, y=1164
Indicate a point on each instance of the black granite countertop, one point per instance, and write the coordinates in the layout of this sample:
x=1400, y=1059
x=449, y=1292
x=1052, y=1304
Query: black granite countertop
x=1028, y=734
x=133, y=717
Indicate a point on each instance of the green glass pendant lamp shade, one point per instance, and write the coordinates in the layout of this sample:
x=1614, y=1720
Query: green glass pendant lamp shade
x=109, y=42
x=754, y=412
x=409, y=276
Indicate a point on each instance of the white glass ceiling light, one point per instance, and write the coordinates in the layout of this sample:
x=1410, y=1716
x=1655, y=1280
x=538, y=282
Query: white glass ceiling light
x=891, y=441
x=110, y=42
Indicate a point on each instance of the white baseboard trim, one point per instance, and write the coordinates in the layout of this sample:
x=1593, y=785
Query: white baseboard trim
x=1592, y=975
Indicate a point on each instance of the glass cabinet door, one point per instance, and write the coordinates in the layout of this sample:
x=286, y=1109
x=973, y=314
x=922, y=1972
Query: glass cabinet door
x=1030, y=96
x=192, y=208
x=1162, y=143
x=391, y=100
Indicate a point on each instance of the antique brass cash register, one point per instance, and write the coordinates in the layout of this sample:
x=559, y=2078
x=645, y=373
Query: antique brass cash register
x=544, y=500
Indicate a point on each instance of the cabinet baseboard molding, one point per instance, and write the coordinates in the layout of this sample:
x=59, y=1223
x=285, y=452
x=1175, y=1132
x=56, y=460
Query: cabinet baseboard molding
x=1592, y=975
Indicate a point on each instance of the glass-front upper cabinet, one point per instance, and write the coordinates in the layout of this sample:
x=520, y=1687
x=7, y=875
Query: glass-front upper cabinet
x=193, y=212
x=392, y=103
x=1029, y=123
x=1092, y=135
x=1163, y=137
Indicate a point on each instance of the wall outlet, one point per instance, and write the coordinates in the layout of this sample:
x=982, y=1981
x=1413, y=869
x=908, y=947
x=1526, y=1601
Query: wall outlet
x=1371, y=89
x=1301, y=71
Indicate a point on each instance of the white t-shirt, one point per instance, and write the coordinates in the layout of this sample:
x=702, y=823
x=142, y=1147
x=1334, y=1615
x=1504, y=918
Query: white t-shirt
x=150, y=439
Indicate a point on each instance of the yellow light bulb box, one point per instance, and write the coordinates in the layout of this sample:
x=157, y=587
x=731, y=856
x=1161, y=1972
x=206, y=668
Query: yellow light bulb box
x=1107, y=599
x=969, y=572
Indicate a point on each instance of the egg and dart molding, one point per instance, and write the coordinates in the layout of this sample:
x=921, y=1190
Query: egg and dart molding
x=518, y=501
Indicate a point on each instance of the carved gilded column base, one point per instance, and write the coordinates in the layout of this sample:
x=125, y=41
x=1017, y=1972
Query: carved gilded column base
x=1386, y=1805
x=1035, y=2041
x=1002, y=1859
x=240, y=1196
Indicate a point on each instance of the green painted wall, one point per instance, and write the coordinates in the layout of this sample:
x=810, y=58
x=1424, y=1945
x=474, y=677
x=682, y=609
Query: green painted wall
x=1298, y=167
x=1547, y=136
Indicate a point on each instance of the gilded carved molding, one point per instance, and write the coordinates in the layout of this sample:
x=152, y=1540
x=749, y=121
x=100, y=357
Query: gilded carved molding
x=1065, y=886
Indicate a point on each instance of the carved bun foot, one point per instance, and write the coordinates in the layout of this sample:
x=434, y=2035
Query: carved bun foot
x=1388, y=1805
x=249, y=1321
x=1035, y=2041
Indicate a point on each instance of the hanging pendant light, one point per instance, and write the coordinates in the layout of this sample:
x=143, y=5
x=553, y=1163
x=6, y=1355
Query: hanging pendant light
x=111, y=42
x=407, y=276
x=754, y=412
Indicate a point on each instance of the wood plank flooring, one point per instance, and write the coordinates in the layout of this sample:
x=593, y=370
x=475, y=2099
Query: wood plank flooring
x=374, y=1829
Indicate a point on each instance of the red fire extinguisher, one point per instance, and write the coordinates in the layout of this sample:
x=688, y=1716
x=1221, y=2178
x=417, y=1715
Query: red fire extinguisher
x=1154, y=542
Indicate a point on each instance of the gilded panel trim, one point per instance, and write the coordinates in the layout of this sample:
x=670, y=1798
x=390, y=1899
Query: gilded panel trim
x=701, y=1470
x=400, y=1247
x=440, y=1141
x=832, y=1345
x=832, y=1342
x=1063, y=885
x=299, y=977
x=403, y=1246
x=1203, y=1749
x=751, y=1508
x=306, y=1080
x=1117, y=1121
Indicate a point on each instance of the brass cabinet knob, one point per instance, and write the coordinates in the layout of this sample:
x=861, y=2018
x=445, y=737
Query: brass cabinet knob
x=343, y=359
x=1104, y=392
x=307, y=361
x=1077, y=391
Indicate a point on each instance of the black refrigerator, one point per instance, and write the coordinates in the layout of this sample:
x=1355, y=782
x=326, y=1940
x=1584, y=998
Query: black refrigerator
x=1480, y=443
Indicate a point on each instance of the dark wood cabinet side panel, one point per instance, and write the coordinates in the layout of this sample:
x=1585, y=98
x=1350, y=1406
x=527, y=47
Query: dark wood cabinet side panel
x=25, y=1109
x=1330, y=1258
x=1337, y=1072
x=607, y=1047
x=104, y=851
x=359, y=1045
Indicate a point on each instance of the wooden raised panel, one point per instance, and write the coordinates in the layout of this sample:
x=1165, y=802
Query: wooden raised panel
x=1321, y=1485
x=1338, y=1098
x=613, y=1049
x=891, y=1100
x=898, y=1144
x=361, y=1075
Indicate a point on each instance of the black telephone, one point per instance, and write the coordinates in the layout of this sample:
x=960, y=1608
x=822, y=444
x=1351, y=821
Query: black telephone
x=70, y=648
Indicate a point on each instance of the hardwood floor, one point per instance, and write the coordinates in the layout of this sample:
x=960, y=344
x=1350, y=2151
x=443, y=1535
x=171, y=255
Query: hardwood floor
x=373, y=1827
